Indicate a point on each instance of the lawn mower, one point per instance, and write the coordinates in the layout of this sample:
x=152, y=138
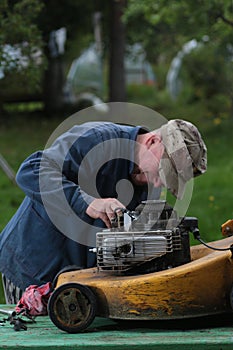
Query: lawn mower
x=146, y=270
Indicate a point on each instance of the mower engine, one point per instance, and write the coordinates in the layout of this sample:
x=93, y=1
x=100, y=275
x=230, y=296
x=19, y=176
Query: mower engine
x=155, y=239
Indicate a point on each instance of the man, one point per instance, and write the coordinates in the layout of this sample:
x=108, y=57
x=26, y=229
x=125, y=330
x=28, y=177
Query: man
x=74, y=187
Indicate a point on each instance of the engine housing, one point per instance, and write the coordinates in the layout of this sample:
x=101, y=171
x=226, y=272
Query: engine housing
x=156, y=239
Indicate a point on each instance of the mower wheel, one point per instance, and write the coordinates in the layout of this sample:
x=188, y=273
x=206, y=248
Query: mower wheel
x=72, y=307
x=67, y=268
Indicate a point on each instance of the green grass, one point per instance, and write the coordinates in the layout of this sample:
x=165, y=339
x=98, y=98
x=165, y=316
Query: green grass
x=211, y=201
x=212, y=196
x=19, y=136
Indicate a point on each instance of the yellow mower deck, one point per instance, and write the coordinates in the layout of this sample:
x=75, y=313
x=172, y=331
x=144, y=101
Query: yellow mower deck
x=201, y=287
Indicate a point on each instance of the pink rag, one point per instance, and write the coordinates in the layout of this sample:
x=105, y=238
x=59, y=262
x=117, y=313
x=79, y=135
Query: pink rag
x=34, y=300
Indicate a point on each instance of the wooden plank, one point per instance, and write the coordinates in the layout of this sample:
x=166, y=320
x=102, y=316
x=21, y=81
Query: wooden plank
x=107, y=334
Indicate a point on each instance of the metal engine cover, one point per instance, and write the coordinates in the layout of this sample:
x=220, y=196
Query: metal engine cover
x=122, y=249
x=157, y=239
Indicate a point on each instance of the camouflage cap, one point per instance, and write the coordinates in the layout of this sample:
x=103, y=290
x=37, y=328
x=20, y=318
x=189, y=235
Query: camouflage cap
x=185, y=155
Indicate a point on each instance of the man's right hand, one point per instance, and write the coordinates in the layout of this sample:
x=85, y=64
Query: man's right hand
x=104, y=209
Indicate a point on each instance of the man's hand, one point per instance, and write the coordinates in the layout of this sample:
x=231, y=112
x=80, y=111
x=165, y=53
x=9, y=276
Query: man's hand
x=103, y=208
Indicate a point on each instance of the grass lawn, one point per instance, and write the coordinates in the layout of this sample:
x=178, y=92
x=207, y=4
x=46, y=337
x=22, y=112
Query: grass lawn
x=19, y=137
x=212, y=199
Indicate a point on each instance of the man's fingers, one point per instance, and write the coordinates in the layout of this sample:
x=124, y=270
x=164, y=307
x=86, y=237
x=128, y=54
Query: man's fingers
x=105, y=209
x=105, y=218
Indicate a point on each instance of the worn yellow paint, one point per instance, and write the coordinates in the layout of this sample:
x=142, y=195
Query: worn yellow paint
x=227, y=228
x=201, y=287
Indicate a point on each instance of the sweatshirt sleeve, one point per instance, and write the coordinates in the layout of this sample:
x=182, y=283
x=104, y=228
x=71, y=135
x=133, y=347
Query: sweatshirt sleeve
x=51, y=178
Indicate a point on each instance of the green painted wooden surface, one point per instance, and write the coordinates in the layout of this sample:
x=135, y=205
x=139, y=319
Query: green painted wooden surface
x=107, y=334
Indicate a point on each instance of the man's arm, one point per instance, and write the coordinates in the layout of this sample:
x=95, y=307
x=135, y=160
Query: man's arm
x=42, y=179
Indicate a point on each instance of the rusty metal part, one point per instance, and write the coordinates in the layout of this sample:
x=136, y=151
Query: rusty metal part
x=10, y=313
x=118, y=220
x=72, y=307
x=13, y=318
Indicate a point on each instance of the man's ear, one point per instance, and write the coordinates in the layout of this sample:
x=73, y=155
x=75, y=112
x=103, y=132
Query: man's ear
x=151, y=139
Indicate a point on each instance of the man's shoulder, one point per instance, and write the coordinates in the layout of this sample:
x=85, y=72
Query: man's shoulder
x=102, y=129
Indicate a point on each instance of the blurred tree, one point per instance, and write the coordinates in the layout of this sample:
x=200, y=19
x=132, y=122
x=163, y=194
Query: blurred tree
x=75, y=17
x=166, y=25
x=20, y=45
x=36, y=21
x=208, y=79
x=163, y=26
x=117, y=85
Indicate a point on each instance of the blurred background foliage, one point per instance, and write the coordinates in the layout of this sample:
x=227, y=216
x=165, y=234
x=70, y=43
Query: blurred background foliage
x=162, y=30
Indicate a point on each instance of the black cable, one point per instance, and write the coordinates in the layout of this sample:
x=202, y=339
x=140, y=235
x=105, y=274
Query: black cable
x=196, y=234
x=208, y=246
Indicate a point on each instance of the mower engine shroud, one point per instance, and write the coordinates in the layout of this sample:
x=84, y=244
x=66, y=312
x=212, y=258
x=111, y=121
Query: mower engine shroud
x=157, y=239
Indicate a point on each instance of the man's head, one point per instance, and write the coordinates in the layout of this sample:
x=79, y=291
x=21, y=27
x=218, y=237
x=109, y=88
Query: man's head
x=170, y=156
x=184, y=156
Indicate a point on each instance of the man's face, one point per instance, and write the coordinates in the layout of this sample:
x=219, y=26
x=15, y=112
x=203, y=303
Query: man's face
x=149, y=157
